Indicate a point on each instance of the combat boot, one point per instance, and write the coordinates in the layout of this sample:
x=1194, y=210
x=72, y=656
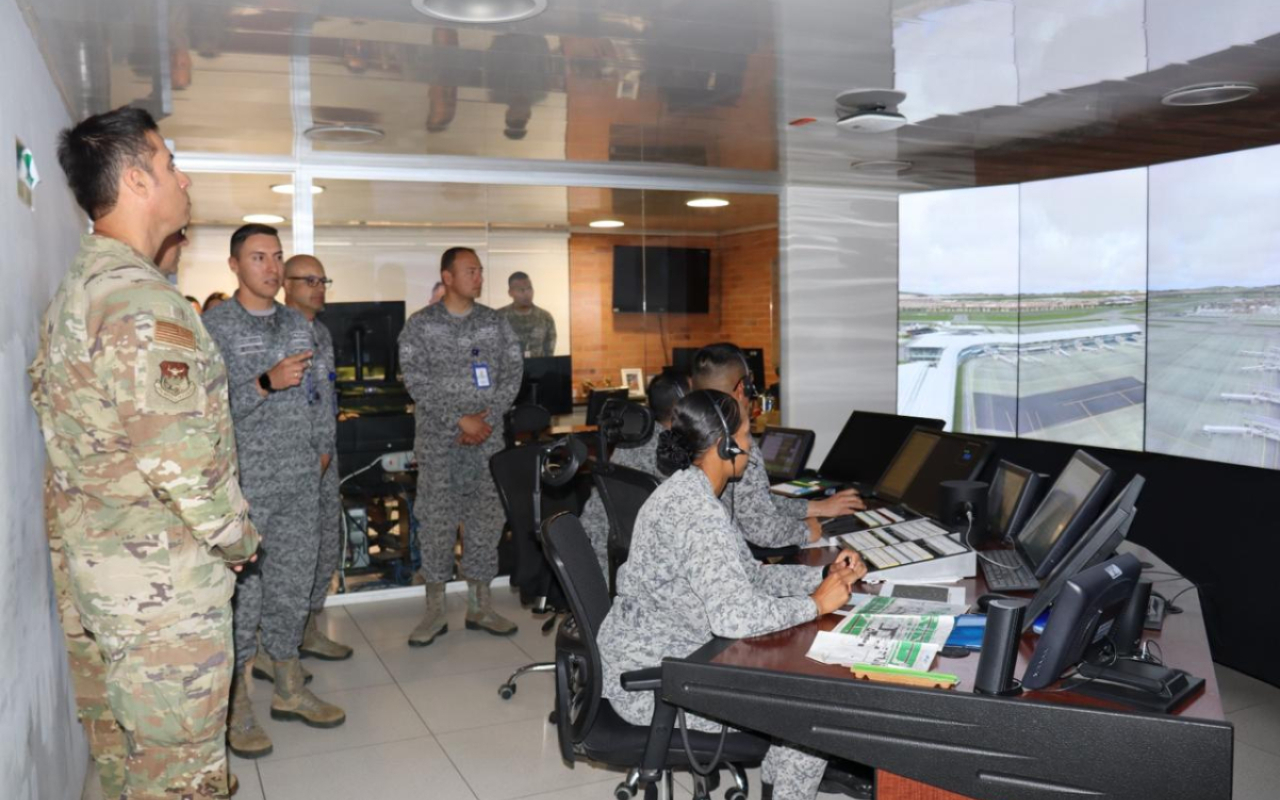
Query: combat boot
x=229, y=790
x=435, y=623
x=315, y=643
x=245, y=736
x=294, y=701
x=480, y=613
x=264, y=674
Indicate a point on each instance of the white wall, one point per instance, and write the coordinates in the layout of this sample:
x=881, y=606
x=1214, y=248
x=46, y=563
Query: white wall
x=42, y=750
x=403, y=264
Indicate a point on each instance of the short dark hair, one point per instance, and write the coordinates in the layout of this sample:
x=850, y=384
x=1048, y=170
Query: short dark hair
x=95, y=153
x=243, y=233
x=665, y=391
x=714, y=360
x=219, y=296
x=518, y=276
x=451, y=255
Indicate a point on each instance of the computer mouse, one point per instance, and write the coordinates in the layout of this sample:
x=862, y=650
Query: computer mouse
x=984, y=601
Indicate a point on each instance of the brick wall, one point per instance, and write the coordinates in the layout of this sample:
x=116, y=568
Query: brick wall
x=743, y=306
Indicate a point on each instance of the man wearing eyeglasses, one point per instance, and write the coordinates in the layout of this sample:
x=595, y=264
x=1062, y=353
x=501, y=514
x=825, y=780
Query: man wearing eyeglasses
x=304, y=290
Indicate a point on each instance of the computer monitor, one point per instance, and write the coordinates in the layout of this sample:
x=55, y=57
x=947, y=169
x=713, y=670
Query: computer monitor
x=906, y=463
x=1082, y=618
x=1096, y=545
x=548, y=382
x=785, y=452
x=1011, y=499
x=1067, y=510
x=956, y=457
x=364, y=339
x=867, y=444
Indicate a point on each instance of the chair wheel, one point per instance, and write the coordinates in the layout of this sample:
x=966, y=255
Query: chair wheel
x=506, y=691
x=735, y=794
x=623, y=792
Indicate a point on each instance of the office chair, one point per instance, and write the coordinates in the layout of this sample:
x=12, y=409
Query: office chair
x=623, y=491
x=589, y=728
x=596, y=399
x=524, y=419
x=519, y=474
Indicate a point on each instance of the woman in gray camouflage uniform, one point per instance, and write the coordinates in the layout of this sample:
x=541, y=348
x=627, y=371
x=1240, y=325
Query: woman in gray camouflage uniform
x=690, y=577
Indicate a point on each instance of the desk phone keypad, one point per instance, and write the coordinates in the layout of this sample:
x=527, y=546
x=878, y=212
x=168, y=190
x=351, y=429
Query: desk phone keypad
x=906, y=542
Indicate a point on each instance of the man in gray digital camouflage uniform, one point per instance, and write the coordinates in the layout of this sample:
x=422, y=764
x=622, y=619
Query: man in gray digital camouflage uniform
x=462, y=366
x=145, y=508
x=533, y=326
x=305, y=284
x=280, y=419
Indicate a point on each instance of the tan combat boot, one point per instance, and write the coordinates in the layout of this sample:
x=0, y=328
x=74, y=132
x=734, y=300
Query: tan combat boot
x=480, y=613
x=435, y=623
x=294, y=701
x=245, y=736
x=264, y=674
x=315, y=643
x=229, y=790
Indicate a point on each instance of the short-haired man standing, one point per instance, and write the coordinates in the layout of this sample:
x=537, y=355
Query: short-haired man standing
x=304, y=291
x=534, y=327
x=462, y=366
x=766, y=519
x=142, y=486
x=280, y=421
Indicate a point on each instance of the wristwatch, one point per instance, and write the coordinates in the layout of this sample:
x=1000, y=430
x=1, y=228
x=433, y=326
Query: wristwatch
x=264, y=380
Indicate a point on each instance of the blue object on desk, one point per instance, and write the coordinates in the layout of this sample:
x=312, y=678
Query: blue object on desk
x=968, y=631
x=1037, y=627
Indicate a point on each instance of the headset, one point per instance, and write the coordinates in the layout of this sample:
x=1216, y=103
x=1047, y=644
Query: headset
x=727, y=448
x=748, y=379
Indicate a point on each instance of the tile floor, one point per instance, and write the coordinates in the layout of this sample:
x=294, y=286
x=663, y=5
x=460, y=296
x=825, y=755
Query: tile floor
x=429, y=723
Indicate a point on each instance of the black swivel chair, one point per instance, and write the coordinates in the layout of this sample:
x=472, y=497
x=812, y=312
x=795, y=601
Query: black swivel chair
x=589, y=728
x=596, y=399
x=622, y=490
x=524, y=419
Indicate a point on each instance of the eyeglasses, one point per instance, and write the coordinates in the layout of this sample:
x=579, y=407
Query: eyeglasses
x=313, y=281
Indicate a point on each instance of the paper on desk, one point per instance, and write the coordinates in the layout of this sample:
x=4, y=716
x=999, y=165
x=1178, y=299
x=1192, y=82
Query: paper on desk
x=882, y=604
x=955, y=594
x=830, y=647
x=884, y=639
x=824, y=541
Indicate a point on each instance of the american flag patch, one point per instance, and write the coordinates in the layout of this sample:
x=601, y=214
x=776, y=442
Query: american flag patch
x=173, y=334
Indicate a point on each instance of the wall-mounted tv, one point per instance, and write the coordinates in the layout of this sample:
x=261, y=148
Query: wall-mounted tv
x=673, y=280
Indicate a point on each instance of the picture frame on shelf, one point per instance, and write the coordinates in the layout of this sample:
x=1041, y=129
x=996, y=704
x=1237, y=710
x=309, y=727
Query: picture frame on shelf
x=633, y=379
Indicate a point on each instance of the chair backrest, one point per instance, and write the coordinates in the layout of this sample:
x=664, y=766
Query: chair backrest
x=596, y=399
x=574, y=563
x=524, y=419
x=515, y=472
x=623, y=491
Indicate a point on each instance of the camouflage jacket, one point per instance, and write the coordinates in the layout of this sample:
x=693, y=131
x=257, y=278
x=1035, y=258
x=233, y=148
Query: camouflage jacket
x=132, y=399
x=536, y=330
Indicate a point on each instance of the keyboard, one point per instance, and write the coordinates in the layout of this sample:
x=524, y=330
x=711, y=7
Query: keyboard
x=859, y=520
x=907, y=542
x=1011, y=576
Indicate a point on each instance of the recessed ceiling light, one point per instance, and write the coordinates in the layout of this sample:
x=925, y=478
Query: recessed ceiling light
x=607, y=223
x=481, y=11
x=287, y=188
x=1209, y=94
x=707, y=202
x=264, y=219
x=343, y=134
x=881, y=167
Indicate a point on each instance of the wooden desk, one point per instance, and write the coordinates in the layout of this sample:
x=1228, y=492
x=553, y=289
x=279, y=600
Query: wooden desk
x=929, y=744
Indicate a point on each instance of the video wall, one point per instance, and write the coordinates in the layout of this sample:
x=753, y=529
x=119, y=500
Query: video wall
x=1137, y=309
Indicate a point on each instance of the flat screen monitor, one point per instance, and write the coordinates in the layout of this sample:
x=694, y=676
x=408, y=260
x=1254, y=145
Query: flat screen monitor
x=867, y=444
x=674, y=280
x=785, y=452
x=364, y=339
x=906, y=463
x=1096, y=545
x=1011, y=499
x=956, y=457
x=1067, y=510
x=1081, y=618
x=548, y=382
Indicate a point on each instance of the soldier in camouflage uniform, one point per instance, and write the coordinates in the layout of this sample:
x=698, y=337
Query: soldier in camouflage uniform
x=462, y=366
x=690, y=577
x=304, y=289
x=281, y=421
x=664, y=392
x=533, y=326
x=143, y=495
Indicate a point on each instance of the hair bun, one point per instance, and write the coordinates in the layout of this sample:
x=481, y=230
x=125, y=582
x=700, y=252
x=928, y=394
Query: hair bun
x=675, y=452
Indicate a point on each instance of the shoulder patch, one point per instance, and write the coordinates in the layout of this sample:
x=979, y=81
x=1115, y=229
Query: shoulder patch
x=175, y=335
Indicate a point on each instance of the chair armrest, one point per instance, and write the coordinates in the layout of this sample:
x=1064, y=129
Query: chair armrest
x=648, y=679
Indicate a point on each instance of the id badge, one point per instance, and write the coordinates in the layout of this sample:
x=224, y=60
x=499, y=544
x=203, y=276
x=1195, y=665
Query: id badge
x=480, y=374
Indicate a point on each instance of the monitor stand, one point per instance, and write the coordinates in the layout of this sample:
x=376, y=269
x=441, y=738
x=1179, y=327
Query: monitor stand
x=1136, y=684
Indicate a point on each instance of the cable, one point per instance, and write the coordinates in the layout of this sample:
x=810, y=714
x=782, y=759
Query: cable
x=1170, y=608
x=688, y=751
x=968, y=513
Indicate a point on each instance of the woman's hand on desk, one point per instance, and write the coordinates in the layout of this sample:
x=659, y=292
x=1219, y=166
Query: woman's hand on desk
x=834, y=590
x=840, y=504
x=851, y=561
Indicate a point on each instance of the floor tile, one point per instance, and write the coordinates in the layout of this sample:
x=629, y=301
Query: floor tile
x=1256, y=774
x=246, y=772
x=530, y=761
x=387, y=620
x=470, y=700
x=375, y=714
x=454, y=653
x=411, y=768
x=1239, y=691
x=1258, y=726
x=362, y=670
x=591, y=791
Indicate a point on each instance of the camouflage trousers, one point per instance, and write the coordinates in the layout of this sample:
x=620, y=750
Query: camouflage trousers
x=168, y=689
x=330, y=526
x=440, y=511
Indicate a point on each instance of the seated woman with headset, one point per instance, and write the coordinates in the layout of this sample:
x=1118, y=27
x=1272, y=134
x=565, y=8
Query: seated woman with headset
x=690, y=576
